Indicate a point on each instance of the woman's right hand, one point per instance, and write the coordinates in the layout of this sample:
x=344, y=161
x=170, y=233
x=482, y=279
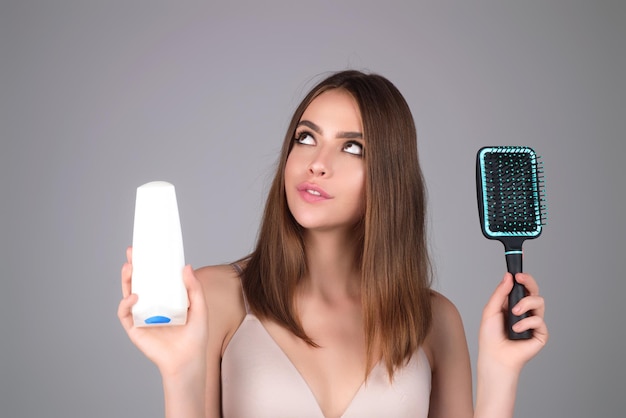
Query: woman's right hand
x=176, y=350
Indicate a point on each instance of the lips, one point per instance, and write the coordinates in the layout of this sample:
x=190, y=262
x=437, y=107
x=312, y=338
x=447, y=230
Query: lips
x=312, y=193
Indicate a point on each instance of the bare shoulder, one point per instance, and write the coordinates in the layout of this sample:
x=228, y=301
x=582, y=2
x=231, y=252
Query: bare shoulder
x=444, y=311
x=451, y=391
x=447, y=333
x=220, y=280
x=224, y=298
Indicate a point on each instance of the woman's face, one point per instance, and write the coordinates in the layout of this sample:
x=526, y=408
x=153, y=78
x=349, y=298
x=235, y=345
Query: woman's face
x=325, y=171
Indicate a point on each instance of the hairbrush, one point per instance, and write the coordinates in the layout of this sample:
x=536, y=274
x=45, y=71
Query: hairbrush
x=511, y=205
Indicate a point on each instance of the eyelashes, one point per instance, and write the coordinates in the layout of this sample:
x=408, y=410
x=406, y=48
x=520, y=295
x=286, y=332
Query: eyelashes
x=304, y=138
x=353, y=148
x=350, y=147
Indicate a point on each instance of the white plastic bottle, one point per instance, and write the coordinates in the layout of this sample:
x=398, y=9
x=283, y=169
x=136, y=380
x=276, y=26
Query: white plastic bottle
x=158, y=258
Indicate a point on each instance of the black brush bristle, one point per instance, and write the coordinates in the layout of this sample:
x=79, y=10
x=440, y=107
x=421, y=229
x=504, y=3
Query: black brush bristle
x=513, y=194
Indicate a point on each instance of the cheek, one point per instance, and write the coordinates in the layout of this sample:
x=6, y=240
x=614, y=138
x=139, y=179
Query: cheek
x=291, y=176
x=362, y=194
x=296, y=165
x=357, y=185
x=290, y=166
x=362, y=181
x=358, y=177
x=294, y=158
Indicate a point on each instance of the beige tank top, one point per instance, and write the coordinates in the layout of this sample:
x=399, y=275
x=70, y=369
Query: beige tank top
x=259, y=380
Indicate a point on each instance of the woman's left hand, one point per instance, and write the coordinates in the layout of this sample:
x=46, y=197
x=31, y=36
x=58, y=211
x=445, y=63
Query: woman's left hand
x=495, y=348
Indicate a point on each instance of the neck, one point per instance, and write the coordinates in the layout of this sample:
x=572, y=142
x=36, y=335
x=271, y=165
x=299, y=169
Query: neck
x=332, y=271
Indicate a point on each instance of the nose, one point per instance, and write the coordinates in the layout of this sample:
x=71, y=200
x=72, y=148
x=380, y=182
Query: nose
x=320, y=166
x=317, y=170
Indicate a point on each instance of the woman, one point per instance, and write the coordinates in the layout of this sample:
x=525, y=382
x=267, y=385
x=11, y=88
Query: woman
x=332, y=314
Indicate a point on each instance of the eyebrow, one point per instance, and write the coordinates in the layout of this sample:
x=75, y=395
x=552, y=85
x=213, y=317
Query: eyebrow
x=318, y=130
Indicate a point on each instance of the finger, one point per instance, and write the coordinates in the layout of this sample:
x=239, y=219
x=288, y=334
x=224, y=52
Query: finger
x=124, y=311
x=129, y=255
x=530, y=322
x=535, y=323
x=540, y=332
x=534, y=304
x=127, y=272
x=529, y=283
x=499, y=296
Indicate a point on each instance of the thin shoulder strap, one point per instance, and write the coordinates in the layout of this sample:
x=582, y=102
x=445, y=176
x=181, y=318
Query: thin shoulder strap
x=239, y=271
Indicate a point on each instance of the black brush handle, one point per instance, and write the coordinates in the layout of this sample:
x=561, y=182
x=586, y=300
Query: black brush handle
x=514, y=266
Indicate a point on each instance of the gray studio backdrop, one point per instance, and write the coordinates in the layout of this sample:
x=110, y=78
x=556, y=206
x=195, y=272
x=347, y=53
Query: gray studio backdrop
x=97, y=98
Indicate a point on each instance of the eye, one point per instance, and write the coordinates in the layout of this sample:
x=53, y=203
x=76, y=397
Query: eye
x=305, y=138
x=353, y=148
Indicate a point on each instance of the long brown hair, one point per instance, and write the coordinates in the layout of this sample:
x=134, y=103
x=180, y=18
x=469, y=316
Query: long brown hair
x=395, y=267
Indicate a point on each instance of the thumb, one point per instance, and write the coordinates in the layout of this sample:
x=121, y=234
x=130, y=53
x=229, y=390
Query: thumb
x=499, y=297
x=194, y=289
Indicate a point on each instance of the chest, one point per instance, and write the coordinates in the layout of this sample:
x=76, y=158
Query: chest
x=260, y=379
x=333, y=371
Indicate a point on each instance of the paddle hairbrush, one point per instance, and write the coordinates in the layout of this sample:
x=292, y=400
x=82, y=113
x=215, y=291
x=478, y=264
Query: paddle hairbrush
x=509, y=185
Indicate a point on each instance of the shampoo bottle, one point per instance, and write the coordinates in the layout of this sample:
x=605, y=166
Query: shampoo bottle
x=158, y=258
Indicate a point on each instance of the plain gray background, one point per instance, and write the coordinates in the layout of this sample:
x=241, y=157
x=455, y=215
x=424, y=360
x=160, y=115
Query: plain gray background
x=97, y=98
